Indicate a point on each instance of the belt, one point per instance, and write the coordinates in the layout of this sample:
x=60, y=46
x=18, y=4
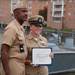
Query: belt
x=18, y=60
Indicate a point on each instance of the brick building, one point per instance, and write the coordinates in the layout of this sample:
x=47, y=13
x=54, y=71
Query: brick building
x=61, y=13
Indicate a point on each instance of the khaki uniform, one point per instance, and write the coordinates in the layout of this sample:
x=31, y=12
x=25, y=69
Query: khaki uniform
x=32, y=42
x=13, y=36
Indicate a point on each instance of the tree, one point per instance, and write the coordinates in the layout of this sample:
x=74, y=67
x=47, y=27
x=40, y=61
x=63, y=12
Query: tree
x=43, y=12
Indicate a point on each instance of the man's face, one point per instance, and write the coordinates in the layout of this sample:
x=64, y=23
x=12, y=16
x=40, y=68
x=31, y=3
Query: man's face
x=21, y=14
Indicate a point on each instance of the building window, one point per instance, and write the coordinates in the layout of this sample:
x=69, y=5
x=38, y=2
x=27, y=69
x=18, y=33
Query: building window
x=29, y=6
x=51, y=0
x=51, y=12
x=69, y=13
x=29, y=12
x=70, y=0
x=40, y=0
x=74, y=7
x=0, y=14
x=69, y=20
x=74, y=20
x=29, y=17
x=15, y=1
x=40, y=6
x=50, y=6
x=0, y=9
x=74, y=13
x=47, y=2
x=70, y=6
x=51, y=19
x=36, y=0
x=30, y=1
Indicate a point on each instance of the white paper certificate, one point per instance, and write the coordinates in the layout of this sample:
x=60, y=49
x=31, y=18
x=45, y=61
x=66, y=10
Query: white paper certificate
x=41, y=56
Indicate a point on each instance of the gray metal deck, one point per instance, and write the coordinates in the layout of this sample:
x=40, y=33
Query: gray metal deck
x=62, y=62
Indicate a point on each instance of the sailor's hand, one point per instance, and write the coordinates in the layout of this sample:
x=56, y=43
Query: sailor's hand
x=34, y=65
x=51, y=55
